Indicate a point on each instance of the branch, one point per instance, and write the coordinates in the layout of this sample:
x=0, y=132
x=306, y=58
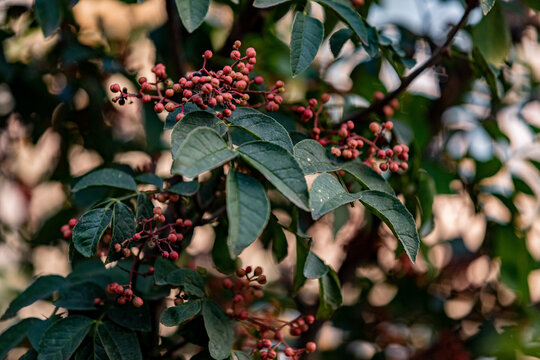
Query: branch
x=435, y=58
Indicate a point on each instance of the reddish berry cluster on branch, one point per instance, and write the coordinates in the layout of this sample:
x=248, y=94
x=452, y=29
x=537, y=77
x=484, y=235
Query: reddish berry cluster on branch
x=154, y=233
x=67, y=229
x=124, y=295
x=223, y=89
x=263, y=333
x=349, y=145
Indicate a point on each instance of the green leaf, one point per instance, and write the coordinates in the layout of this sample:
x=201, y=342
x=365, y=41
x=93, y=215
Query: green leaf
x=61, y=340
x=492, y=35
x=328, y=194
x=367, y=177
x=302, y=251
x=306, y=38
x=203, y=150
x=314, y=268
x=330, y=295
x=90, y=229
x=219, y=330
x=341, y=216
x=145, y=207
x=30, y=355
x=185, y=188
x=42, y=288
x=239, y=355
x=220, y=252
x=338, y=39
x=262, y=127
x=35, y=333
x=11, y=337
x=351, y=17
x=268, y=3
x=486, y=5
x=279, y=167
x=119, y=343
x=162, y=268
x=49, y=15
x=179, y=314
x=151, y=179
x=106, y=177
x=131, y=317
x=170, y=120
x=311, y=157
x=486, y=71
x=190, y=280
x=123, y=227
x=393, y=213
x=192, y=12
x=280, y=246
x=248, y=210
x=80, y=296
x=192, y=121
x=426, y=193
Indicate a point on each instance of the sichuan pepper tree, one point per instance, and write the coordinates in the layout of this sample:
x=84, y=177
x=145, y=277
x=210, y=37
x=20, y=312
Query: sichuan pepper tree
x=236, y=164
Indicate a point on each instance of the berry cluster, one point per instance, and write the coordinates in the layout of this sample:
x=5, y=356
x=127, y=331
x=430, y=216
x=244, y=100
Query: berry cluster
x=156, y=234
x=67, y=229
x=224, y=89
x=124, y=294
x=347, y=144
x=263, y=333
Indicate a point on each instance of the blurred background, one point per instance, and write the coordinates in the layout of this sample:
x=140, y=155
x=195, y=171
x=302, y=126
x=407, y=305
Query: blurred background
x=473, y=183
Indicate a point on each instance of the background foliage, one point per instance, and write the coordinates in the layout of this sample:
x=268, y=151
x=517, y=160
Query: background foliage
x=470, y=121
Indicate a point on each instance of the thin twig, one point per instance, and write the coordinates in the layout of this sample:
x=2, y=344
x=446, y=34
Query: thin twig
x=435, y=58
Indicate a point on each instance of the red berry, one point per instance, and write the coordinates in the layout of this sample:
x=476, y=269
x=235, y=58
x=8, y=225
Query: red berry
x=289, y=351
x=142, y=80
x=179, y=237
x=383, y=166
x=388, y=111
x=250, y=52
x=165, y=254
x=374, y=127
x=159, y=107
x=325, y=98
x=180, y=116
x=115, y=88
x=394, y=167
x=67, y=234
x=350, y=125
x=121, y=300
x=72, y=222
x=137, y=302
x=311, y=347
x=404, y=165
x=188, y=223
x=162, y=218
x=146, y=98
x=227, y=283
x=259, y=80
x=238, y=298
x=207, y=54
x=312, y=102
x=310, y=319
x=171, y=237
x=173, y=255
x=150, y=270
x=378, y=96
x=381, y=154
x=280, y=84
x=388, y=125
x=241, y=85
x=394, y=104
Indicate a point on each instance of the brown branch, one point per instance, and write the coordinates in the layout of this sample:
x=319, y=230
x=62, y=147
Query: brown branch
x=435, y=58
